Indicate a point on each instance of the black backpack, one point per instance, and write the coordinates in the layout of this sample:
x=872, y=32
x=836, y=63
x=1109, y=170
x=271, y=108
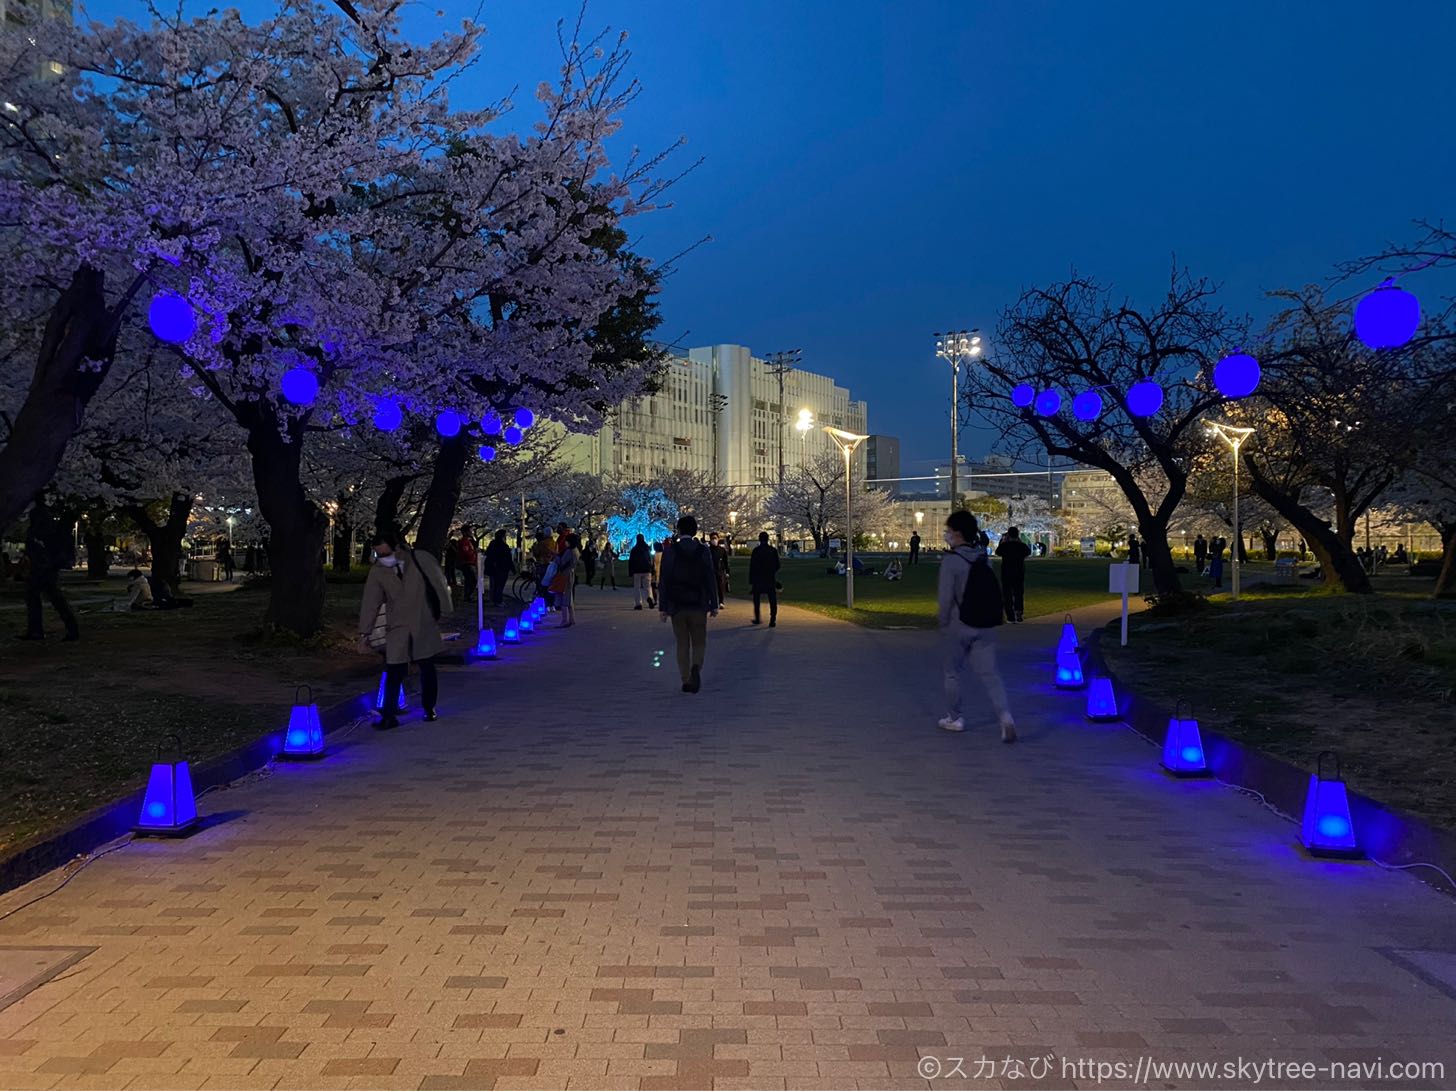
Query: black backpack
x=980, y=604
x=688, y=575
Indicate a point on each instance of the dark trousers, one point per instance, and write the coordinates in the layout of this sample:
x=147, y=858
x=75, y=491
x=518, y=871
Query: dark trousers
x=497, y=587
x=1013, y=591
x=50, y=587
x=394, y=678
x=773, y=602
x=915, y=556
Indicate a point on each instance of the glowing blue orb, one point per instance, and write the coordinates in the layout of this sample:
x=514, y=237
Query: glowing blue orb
x=1087, y=405
x=524, y=418
x=491, y=424
x=1191, y=754
x=300, y=386
x=487, y=453
x=171, y=317
x=448, y=422
x=387, y=414
x=1022, y=395
x=514, y=435
x=1144, y=398
x=1333, y=826
x=1048, y=402
x=1388, y=317
x=1236, y=376
x=156, y=809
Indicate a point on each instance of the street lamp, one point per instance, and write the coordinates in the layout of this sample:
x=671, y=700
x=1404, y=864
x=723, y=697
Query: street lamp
x=847, y=442
x=804, y=425
x=732, y=524
x=1234, y=436
x=230, y=532
x=952, y=346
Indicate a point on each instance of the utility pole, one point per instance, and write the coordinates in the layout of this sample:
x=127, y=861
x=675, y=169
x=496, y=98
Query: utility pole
x=779, y=365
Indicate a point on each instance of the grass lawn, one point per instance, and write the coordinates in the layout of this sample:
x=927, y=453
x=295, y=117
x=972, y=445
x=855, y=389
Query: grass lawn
x=1054, y=585
x=80, y=723
x=1294, y=671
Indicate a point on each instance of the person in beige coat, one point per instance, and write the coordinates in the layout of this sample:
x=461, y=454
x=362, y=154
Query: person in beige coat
x=412, y=589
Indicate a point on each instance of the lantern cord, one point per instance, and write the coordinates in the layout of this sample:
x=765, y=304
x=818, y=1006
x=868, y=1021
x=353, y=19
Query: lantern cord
x=1419, y=863
x=71, y=875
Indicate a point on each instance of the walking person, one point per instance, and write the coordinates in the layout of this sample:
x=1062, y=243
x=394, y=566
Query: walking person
x=720, y=567
x=763, y=577
x=589, y=561
x=969, y=611
x=915, y=547
x=1013, y=553
x=225, y=558
x=468, y=552
x=1134, y=551
x=499, y=564
x=688, y=594
x=49, y=550
x=608, y=564
x=410, y=588
x=1200, y=554
x=564, y=585
x=639, y=567
x=1215, y=561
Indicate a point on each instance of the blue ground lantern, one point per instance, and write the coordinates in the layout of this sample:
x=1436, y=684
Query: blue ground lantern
x=1388, y=317
x=538, y=605
x=1068, y=640
x=171, y=317
x=1144, y=398
x=485, y=644
x=1236, y=376
x=1183, y=748
x=169, y=809
x=1327, y=829
x=1022, y=395
x=384, y=689
x=527, y=623
x=304, y=737
x=1101, y=700
x=1069, y=669
x=511, y=634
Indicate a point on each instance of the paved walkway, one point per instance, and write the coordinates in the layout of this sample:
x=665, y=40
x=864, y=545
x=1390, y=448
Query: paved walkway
x=582, y=877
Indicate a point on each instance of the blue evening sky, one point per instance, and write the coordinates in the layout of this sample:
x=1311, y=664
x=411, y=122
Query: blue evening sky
x=878, y=171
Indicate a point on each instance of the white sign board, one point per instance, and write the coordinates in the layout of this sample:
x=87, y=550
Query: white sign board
x=1122, y=579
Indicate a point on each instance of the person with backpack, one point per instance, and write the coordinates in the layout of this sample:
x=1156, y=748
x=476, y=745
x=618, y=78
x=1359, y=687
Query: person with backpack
x=639, y=567
x=688, y=594
x=410, y=590
x=1013, y=553
x=970, y=609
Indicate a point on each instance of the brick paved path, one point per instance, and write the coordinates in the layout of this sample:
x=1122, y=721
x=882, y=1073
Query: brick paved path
x=581, y=877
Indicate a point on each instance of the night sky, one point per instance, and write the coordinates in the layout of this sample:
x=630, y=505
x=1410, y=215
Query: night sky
x=875, y=172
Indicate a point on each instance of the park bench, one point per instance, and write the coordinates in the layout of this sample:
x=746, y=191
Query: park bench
x=1285, y=570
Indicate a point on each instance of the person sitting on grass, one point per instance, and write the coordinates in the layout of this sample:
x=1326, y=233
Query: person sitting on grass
x=138, y=591
x=893, y=571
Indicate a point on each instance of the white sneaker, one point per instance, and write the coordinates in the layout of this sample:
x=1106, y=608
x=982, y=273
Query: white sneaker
x=952, y=723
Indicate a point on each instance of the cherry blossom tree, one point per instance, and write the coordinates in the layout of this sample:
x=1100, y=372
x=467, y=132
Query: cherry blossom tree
x=812, y=499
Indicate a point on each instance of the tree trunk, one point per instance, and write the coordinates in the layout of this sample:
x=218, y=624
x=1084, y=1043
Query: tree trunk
x=298, y=528
x=1243, y=553
x=1271, y=544
x=1447, y=574
x=343, y=542
x=98, y=556
x=165, y=538
x=386, y=508
x=442, y=496
x=1337, y=560
x=80, y=328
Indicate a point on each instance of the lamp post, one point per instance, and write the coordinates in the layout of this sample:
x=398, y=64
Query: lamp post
x=951, y=347
x=804, y=425
x=230, y=532
x=732, y=525
x=847, y=442
x=1234, y=436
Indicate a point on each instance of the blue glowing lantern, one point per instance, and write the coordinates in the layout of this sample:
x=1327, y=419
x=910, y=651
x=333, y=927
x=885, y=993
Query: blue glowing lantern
x=511, y=634
x=514, y=435
x=448, y=423
x=487, y=453
x=1388, y=317
x=1101, y=701
x=1069, y=669
x=300, y=386
x=304, y=737
x=491, y=424
x=485, y=644
x=1236, y=376
x=1183, y=748
x=169, y=809
x=524, y=418
x=538, y=606
x=1048, y=402
x=387, y=414
x=1144, y=398
x=379, y=696
x=171, y=317
x=1087, y=406
x=1022, y=395
x=1069, y=640
x=1327, y=829
x=527, y=623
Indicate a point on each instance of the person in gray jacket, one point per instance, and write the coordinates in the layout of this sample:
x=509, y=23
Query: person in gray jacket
x=962, y=642
x=412, y=589
x=688, y=594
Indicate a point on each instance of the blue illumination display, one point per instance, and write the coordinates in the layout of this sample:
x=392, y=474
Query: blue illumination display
x=156, y=809
x=1022, y=395
x=1144, y=398
x=387, y=414
x=168, y=806
x=448, y=423
x=524, y=418
x=1069, y=669
x=300, y=386
x=487, y=453
x=1328, y=828
x=1183, y=748
x=1386, y=318
x=304, y=737
x=491, y=424
x=1101, y=701
x=380, y=694
x=1068, y=642
x=1048, y=402
x=1087, y=406
x=527, y=623
x=514, y=435
x=485, y=644
x=1236, y=376
x=512, y=632
x=171, y=317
